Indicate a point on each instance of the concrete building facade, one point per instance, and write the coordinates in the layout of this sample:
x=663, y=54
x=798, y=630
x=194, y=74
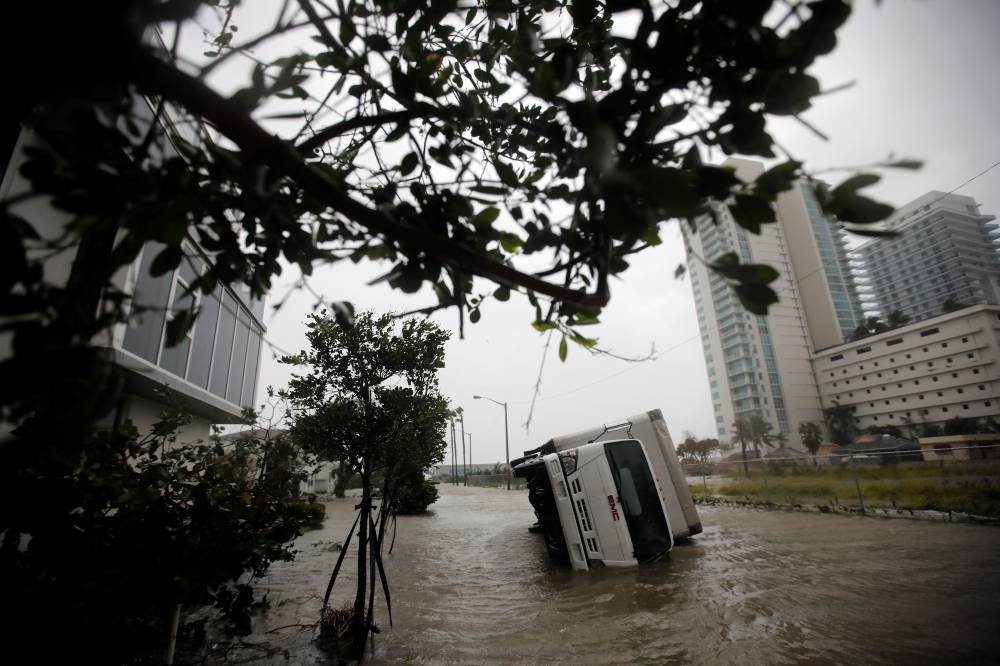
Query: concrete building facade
x=927, y=372
x=944, y=251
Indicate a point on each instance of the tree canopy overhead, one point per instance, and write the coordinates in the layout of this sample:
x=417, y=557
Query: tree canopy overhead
x=537, y=144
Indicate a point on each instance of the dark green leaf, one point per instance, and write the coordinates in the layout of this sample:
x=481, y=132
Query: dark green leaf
x=179, y=325
x=474, y=315
x=855, y=183
x=778, y=178
x=563, y=349
x=166, y=261
x=876, y=233
x=506, y=173
x=378, y=42
x=755, y=297
x=502, y=294
x=913, y=165
x=751, y=211
x=409, y=163
x=486, y=216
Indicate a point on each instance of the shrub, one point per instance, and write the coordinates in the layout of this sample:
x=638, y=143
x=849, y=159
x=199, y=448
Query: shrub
x=416, y=495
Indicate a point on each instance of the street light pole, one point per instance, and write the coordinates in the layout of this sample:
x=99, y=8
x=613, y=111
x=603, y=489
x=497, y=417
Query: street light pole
x=461, y=422
x=506, y=430
x=471, y=468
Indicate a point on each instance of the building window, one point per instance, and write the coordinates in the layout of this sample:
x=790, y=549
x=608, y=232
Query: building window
x=944, y=409
x=982, y=387
x=965, y=339
x=971, y=355
x=894, y=341
x=836, y=357
x=864, y=350
x=987, y=403
x=965, y=406
x=975, y=371
x=944, y=344
x=903, y=398
x=929, y=331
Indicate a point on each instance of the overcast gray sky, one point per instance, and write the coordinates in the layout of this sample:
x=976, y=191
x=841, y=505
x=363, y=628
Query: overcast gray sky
x=926, y=87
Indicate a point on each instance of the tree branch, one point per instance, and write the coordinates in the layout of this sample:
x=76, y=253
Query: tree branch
x=164, y=79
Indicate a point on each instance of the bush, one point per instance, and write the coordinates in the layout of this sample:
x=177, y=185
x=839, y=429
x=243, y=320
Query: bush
x=309, y=514
x=415, y=495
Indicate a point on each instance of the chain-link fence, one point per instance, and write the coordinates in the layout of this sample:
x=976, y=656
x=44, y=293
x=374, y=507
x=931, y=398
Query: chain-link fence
x=484, y=481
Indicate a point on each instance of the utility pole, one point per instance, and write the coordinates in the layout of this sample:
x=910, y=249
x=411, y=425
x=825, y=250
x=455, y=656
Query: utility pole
x=461, y=422
x=454, y=452
x=470, y=454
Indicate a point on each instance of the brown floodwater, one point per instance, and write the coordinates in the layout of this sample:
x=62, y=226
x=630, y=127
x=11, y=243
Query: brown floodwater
x=471, y=585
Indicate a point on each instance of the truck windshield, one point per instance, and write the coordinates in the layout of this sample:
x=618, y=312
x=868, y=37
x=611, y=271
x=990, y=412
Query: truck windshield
x=639, y=499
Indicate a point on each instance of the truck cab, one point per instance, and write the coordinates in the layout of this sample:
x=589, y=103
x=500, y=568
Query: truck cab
x=598, y=503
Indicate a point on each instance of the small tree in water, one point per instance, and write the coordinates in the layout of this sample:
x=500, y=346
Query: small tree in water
x=370, y=400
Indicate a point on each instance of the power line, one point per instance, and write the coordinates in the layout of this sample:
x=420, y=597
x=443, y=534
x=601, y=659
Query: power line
x=619, y=373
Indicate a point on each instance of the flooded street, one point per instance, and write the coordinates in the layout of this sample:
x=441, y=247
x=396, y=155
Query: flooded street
x=471, y=585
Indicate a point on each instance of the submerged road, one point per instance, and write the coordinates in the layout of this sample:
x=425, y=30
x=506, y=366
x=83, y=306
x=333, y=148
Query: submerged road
x=470, y=585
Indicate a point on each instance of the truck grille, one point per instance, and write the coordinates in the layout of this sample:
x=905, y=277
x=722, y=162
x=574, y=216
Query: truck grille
x=584, y=516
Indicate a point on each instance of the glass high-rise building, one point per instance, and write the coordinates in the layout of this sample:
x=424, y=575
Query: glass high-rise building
x=761, y=364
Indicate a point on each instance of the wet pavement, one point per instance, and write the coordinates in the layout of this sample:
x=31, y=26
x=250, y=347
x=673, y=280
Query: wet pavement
x=471, y=585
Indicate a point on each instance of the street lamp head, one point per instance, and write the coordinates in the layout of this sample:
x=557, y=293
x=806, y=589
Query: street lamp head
x=476, y=397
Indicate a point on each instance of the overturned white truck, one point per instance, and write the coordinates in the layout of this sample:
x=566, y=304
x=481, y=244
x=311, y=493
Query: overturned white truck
x=614, y=495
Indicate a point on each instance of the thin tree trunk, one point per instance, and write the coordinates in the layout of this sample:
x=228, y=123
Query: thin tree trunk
x=359, y=622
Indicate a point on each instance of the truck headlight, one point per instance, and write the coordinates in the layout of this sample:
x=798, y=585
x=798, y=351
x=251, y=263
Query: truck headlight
x=568, y=460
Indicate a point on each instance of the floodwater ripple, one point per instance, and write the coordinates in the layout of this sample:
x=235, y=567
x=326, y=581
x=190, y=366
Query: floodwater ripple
x=471, y=585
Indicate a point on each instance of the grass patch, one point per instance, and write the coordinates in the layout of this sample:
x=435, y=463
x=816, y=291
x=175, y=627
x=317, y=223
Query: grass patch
x=963, y=488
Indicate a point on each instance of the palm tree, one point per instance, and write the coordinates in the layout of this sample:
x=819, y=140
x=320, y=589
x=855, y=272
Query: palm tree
x=811, y=437
x=897, y=318
x=761, y=430
x=752, y=429
x=743, y=435
x=840, y=422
